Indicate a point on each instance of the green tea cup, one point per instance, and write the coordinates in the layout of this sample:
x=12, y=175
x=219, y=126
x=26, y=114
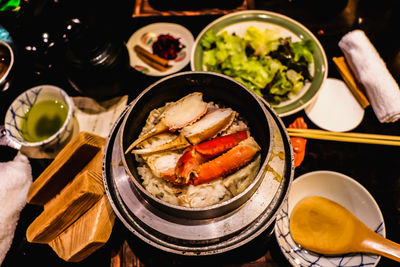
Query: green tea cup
x=40, y=121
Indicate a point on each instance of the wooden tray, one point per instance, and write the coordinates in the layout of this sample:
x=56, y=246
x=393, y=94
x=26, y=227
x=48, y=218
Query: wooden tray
x=144, y=9
x=77, y=218
x=66, y=165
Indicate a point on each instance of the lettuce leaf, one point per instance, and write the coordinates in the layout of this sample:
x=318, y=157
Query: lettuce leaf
x=210, y=37
x=272, y=66
x=262, y=42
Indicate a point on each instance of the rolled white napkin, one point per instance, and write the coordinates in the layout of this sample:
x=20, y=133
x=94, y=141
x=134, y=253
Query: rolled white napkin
x=370, y=70
x=15, y=180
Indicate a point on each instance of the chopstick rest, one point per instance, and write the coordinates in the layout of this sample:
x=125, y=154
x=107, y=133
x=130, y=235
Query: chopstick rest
x=77, y=218
x=355, y=88
x=370, y=70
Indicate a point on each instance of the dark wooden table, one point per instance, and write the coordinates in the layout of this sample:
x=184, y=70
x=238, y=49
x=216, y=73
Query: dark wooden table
x=375, y=167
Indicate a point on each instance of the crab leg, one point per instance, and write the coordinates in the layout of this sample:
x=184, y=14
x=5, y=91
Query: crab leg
x=177, y=115
x=216, y=146
x=193, y=166
x=229, y=162
x=211, y=124
x=195, y=155
x=207, y=127
x=179, y=142
x=161, y=127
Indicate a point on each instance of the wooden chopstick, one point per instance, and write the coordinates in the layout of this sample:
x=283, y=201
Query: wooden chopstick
x=378, y=139
x=347, y=75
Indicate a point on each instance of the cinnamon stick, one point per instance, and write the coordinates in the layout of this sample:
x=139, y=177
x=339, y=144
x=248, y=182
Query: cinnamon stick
x=152, y=60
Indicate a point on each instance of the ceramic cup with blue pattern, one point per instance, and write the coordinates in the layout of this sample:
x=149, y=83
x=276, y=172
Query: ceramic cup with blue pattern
x=16, y=133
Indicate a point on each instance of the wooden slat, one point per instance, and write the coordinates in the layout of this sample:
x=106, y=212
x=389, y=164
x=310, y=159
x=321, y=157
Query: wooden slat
x=60, y=212
x=90, y=232
x=95, y=164
x=68, y=163
x=144, y=9
x=356, y=88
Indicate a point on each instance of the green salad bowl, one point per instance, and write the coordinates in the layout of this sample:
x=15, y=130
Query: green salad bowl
x=238, y=23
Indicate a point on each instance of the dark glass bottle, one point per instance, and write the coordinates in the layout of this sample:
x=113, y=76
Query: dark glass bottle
x=96, y=65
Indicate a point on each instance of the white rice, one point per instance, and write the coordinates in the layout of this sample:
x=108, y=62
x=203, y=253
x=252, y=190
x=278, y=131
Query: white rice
x=203, y=195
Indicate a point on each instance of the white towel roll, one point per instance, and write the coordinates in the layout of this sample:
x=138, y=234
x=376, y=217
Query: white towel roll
x=370, y=70
x=15, y=180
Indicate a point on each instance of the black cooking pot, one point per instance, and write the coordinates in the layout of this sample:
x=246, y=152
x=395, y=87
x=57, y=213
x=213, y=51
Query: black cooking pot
x=199, y=231
x=217, y=88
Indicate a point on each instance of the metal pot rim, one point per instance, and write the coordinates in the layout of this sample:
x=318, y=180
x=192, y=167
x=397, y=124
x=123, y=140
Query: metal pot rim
x=258, y=226
x=209, y=211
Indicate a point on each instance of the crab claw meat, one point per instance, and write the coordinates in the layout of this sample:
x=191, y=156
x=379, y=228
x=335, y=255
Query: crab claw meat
x=179, y=142
x=160, y=163
x=185, y=111
x=209, y=125
x=177, y=115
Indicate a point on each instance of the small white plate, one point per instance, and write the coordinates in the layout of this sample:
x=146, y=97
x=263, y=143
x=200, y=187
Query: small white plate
x=343, y=190
x=335, y=108
x=147, y=35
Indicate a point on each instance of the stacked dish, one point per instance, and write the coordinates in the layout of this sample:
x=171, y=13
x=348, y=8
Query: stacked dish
x=209, y=229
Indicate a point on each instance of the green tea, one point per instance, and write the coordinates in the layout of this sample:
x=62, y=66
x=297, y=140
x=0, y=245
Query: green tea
x=43, y=120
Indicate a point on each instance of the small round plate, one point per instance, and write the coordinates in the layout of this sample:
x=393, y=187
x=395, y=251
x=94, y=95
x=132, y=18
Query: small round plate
x=147, y=35
x=335, y=108
x=343, y=190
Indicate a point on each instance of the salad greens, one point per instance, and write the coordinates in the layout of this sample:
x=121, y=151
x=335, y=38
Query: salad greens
x=272, y=66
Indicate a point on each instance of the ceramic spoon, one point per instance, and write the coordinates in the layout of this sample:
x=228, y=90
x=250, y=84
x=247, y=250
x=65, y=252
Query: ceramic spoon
x=323, y=226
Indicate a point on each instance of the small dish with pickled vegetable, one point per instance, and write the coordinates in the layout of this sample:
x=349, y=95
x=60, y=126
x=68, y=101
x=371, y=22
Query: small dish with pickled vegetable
x=160, y=49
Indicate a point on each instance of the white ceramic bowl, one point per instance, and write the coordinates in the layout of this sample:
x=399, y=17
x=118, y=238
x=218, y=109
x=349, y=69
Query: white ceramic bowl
x=343, y=190
x=17, y=112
